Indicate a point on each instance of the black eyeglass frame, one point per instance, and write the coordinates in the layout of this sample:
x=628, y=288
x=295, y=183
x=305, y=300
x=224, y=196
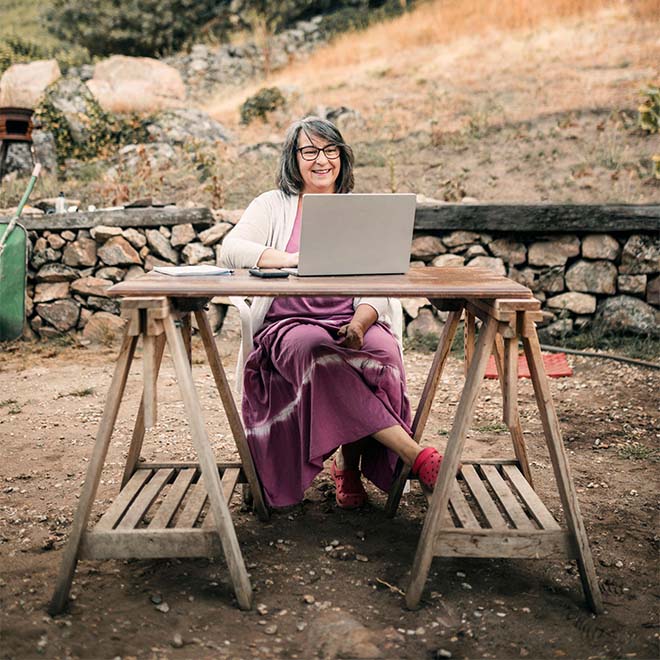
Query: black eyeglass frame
x=319, y=150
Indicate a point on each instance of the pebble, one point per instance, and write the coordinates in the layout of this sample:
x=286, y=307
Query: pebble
x=466, y=585
x=362, y=557
x=156, y=599
x=270, y=630
x=262, y=609
x=619, y=564
x=443, y=653
x=300, y=626
x=334, y=543
x=360, y=534
x=177, y=641
x=163, y=607
x=308, y=598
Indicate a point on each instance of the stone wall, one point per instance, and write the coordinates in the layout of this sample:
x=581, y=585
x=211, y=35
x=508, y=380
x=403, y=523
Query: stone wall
x=69, y=270
x=612, y=279
x=581, y=278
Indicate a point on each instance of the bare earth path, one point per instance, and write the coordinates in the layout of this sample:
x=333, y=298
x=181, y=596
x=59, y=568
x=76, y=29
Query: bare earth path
x=312, y=604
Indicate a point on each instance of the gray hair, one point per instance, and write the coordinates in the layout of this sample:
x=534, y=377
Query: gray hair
x=289, y=179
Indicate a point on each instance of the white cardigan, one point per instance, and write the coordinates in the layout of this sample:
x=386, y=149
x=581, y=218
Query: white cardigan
x=268, y=223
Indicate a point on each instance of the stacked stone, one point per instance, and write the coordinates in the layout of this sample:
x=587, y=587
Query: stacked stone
x=206, y=68
x=611, y=280
x=70, y=272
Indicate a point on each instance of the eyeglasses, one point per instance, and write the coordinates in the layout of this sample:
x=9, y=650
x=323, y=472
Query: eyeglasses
x=331, y=152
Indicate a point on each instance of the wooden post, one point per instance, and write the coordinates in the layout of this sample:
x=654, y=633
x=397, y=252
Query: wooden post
x=93, y=476
x=469, y=332
x=561, y=467
x=233, y=416
x=506, y=360
x=135, y=448
x=209, y=469
x=449, y=466
x=424, y=406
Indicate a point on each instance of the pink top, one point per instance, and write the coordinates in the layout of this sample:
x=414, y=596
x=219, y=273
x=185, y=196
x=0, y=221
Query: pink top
x=294, y=242
x=310, y=306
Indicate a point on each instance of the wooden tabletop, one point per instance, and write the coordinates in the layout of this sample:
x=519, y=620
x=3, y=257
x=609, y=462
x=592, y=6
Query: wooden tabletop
x=427, y=282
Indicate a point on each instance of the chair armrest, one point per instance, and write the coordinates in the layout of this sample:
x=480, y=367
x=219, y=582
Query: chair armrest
x=247, y=341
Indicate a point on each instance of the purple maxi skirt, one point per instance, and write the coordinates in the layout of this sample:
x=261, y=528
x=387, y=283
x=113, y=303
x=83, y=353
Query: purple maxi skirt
x=304, y=395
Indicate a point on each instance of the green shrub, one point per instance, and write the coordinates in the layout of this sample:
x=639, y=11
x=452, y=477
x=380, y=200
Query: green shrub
x=339, y=15
x=649, y=111
x=74, y=56
x=15, y=50
x=267, y=99
x=104, y=130
x=134, y=27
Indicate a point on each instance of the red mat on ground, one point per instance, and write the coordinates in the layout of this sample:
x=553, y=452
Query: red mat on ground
x=555, y=365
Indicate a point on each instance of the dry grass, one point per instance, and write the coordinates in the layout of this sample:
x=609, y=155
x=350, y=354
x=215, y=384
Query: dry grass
x=443, y=21
x=422, y=63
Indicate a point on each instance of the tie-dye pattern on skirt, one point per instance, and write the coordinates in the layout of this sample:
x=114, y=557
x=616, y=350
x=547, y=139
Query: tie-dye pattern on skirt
x=304, y=396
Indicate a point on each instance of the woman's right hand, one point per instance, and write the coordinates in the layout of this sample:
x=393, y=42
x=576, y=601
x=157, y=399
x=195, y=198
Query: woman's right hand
x=272, y=258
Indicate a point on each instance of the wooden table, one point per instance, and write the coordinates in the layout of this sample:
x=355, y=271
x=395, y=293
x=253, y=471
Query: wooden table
x=487, y=508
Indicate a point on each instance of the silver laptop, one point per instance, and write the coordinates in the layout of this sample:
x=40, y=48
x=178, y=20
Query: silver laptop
x=358, y=234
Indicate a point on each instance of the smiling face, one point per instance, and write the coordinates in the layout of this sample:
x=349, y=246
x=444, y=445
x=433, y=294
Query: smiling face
x=319, y=175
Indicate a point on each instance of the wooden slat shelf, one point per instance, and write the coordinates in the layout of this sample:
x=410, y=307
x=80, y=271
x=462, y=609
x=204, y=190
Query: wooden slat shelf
x=161, y=512
x=494, y=512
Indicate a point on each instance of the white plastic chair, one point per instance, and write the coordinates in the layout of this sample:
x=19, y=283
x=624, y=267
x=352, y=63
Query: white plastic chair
x=247, y=338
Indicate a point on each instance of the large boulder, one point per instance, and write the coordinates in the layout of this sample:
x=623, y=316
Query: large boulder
x=196, y=253
x=159, y=155
x=426, y=247
x=510, y=251
x=578, y=303
x=161, y=246
x=118, y=252
x=184, y=124
x=592, y=277
x=61, y=314
x=491, y=263
x=554, y=252
x=136, y=84
x=425, y=326
x=600, y=246
x=641, y=254
x=72, y=99
x=23, y=85
x=103, y=328
x=628, y=314
x=81, y=252
x=19, y=158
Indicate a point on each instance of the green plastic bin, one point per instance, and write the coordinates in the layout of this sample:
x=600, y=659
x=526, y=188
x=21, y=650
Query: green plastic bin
x=13, y=271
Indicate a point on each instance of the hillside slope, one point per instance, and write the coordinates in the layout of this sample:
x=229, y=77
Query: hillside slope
x=526, y=113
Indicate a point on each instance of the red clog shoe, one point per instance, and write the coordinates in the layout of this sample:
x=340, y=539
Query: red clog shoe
x=427, y=466
x=349, y=491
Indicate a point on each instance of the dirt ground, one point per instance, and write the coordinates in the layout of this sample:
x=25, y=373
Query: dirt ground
x=310, y=604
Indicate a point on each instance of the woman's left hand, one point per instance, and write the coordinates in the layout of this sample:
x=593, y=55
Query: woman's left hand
x=351, y=335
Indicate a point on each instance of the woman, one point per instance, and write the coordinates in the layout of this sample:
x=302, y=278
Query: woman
x=325, y=372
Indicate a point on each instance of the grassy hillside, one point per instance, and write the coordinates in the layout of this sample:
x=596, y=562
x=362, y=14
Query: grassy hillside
x=506, y=102
x=23, y=18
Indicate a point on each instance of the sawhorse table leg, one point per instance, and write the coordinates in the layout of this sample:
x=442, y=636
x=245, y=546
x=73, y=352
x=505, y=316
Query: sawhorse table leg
x=532, y=530
x=118, y=534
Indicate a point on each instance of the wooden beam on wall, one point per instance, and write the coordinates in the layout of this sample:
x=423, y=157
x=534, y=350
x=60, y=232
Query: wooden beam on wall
x=538, y=218
x=144, y=217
